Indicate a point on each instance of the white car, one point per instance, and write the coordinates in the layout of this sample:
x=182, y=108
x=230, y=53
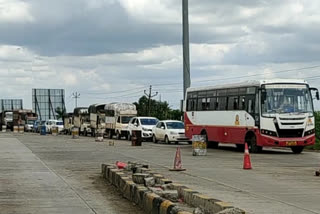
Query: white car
x=169, y=131
x=143, y=124
x=54, y=123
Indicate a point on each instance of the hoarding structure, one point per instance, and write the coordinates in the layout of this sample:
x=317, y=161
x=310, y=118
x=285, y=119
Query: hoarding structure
x=10, y=104
x=45, y=102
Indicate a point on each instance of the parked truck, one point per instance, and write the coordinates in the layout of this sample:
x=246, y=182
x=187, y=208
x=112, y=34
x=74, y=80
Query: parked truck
x=81, y=120
x=118, y=116
x=24, y=117
x=6, y=119
x=68, y=123
x=97, y=118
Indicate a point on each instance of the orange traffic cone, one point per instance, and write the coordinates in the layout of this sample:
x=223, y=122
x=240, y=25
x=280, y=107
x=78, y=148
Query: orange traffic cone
x=246, y=159
x=177, y=164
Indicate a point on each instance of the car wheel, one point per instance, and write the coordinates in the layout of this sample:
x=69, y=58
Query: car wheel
x=166, y=140
x=154, y=139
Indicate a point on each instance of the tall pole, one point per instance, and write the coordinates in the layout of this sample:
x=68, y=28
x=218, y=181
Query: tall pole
x=186, y=54
x=76, y=96
x=150, y=95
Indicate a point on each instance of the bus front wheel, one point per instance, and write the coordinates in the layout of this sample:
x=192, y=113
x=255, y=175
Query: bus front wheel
x=297, y=149
x=254, y=148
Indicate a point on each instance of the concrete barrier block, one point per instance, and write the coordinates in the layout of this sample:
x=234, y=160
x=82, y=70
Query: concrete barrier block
x=164, y=181
x=127, y=190
x=205, y=202
x=166, y=207
x=158, y=177
x=112, y=175
x=104, y=169
x=138, y=193
x=232, y=211
x=122, y=183
x=171, y=195
x=149, y=182
x=221, y=205
x=156, y=205
x=118, y=177
x=148, y=202
x=187, y=195
x=138, y=178
x=145, y=170
x=108, y=173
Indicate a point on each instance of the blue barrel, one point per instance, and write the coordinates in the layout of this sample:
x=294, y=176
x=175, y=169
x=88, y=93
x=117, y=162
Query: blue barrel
x=43, y=130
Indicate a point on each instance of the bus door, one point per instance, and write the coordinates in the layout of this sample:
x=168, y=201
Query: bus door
x=250, y=109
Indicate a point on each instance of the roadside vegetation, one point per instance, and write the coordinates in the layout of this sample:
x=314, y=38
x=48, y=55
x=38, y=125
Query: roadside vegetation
x=158, y=109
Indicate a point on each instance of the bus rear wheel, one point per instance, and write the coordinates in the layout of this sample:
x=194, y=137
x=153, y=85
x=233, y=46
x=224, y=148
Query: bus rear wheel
x=210, y=144
x=297, y=149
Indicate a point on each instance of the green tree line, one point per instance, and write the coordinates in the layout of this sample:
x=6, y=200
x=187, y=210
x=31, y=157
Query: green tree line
x=158, y=109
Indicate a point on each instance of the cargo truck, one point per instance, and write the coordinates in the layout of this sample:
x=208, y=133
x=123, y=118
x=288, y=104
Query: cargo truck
x=81, y=120
x=97, y=118
x=118, y=116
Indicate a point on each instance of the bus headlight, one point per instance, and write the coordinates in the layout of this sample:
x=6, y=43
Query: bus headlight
x=267, y=132
x=310, y=132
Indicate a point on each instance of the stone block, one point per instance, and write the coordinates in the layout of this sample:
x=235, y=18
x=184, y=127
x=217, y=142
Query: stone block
x=138, y=178
x=149, y=181
x=187, y=195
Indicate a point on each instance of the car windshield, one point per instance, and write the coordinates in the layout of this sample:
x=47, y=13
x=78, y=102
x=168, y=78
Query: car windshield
x=286, y=99
x=59, y=123
x=125, y=119
x=175, y=125
x=148, y=122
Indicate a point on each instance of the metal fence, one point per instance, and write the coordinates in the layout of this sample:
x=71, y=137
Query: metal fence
x=10, y=104
x=45, y=102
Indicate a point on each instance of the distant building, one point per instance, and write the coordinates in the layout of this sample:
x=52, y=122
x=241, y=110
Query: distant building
x=46, y=101
x=10, y=104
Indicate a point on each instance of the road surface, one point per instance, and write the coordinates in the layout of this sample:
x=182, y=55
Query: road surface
x=52, y=174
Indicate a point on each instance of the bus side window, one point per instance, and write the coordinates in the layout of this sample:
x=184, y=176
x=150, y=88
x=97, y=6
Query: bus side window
x=118, y=120
x=222, y=103
x=251, y=105
x=212, y=104
x=242, y=103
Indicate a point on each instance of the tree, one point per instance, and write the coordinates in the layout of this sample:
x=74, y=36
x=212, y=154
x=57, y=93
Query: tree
x=160, y=110
x=60, y=112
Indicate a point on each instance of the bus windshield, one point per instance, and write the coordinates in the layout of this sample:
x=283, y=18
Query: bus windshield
x=286, y=99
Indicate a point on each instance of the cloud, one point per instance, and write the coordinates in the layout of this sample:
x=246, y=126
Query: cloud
x=15, y=11
x=98, y=47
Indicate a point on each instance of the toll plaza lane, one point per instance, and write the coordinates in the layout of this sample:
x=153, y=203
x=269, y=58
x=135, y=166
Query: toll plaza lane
x=280, y=181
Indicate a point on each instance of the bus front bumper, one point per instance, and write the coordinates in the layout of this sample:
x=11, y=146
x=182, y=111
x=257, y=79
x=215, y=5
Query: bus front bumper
x=265, y=140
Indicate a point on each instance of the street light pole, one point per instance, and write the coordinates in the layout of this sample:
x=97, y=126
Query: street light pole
x=186, y=54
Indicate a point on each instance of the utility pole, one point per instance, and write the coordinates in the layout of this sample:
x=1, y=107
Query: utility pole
x=150, y=95
x=76, y=96
x=186, y=56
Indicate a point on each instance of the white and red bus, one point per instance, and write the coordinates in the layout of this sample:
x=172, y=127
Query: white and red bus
x=266, y=113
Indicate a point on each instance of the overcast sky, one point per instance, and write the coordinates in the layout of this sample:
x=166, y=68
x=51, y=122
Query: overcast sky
x=101, y=47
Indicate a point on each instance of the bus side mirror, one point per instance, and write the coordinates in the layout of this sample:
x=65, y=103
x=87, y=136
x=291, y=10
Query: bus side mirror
x=317, y=92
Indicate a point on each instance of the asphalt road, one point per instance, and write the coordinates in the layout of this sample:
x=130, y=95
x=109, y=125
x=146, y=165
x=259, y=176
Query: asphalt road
x=280, y=181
